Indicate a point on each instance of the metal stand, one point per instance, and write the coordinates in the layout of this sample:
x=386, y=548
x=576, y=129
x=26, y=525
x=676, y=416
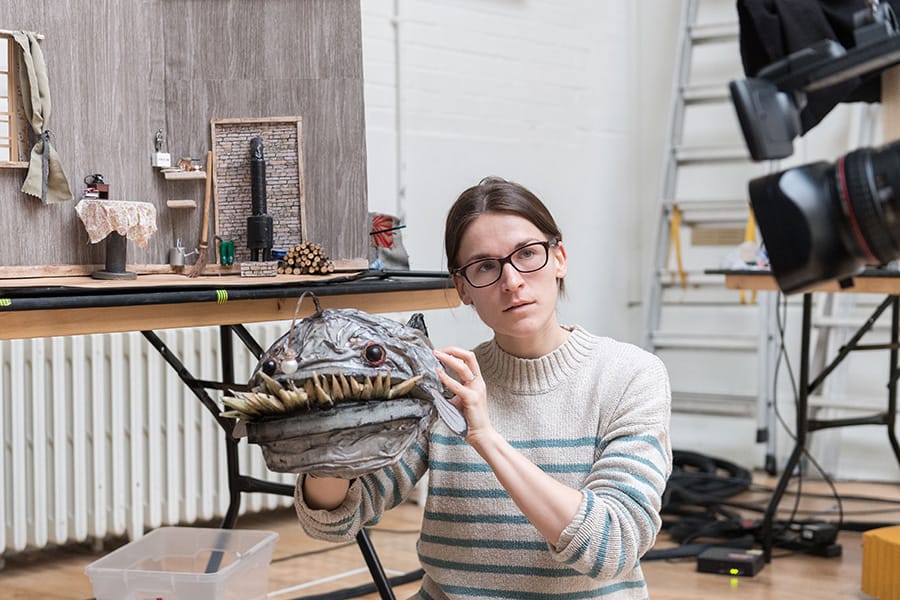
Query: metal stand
x=115, y=259
x=238, y=483
x=805, y=425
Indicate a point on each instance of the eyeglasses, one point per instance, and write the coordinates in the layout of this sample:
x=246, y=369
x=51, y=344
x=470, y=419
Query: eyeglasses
x=527, y=259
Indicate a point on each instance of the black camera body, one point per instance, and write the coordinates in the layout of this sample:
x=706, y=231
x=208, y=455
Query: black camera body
x=822, y=221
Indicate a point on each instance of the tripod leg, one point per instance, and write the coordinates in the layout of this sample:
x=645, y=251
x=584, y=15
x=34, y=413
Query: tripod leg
x=891, y=416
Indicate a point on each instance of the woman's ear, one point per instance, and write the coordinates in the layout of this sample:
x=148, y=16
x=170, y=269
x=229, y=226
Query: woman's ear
x=561, y=257
x=460, y=284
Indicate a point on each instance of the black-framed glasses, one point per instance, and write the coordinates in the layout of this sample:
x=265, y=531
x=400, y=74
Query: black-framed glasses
x=525, y=259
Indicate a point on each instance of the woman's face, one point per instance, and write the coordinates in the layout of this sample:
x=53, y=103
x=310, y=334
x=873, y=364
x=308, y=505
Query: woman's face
x=519, y=307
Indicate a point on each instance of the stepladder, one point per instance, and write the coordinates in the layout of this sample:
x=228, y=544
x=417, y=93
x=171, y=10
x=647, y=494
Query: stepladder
x=712, y=340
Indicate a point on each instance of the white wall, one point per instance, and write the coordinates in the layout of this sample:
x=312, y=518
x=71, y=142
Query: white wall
x=570, y=98
x=536, y=92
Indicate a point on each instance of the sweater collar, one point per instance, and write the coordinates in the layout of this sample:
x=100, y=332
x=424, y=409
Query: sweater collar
x=535, y=375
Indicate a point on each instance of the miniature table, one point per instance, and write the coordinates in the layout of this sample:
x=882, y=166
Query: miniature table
x=79, y=305
x=116, y=220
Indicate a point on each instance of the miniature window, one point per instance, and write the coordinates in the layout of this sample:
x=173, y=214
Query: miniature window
x=11, y=152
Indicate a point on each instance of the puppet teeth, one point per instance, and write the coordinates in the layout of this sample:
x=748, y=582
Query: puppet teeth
x=271, y=385
x=273, y=404
x=367, y=388
x=378, y=386
x=299, y=398
x=345, y=387
x=356, y=389
x=322, y=396
x=287, y=398
x=239, y=404
x=403, y=387
x=273, y=398
x=337, y=393
x=233, y=414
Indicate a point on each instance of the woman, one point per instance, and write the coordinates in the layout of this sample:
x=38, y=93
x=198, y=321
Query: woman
x=555, y=491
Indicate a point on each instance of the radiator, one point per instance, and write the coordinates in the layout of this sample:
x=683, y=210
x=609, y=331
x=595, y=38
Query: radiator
x=101, y=438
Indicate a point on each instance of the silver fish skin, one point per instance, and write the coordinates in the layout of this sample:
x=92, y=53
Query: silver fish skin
x=334, y=346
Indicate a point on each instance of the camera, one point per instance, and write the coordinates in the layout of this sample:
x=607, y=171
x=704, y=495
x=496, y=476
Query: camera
x=822, y=221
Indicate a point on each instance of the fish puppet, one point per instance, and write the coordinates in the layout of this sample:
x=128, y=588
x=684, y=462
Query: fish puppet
x=343, y=393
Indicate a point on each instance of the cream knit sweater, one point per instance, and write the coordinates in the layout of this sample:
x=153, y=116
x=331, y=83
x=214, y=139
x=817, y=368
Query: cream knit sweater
x=594, y=414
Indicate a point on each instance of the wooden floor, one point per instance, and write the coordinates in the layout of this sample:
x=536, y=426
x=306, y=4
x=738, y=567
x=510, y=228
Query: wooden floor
x=303, y=567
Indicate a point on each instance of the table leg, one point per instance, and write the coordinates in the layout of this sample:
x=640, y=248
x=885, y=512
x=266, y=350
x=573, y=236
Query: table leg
x=767, y=528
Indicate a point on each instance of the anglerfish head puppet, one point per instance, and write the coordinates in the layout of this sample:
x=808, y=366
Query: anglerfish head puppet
x=343, y=393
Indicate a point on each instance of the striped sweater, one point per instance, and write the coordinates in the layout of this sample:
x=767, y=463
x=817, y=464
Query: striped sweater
x=594, y=414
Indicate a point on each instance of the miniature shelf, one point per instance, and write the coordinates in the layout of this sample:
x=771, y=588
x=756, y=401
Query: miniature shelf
x=185, y=175
x=181, y=203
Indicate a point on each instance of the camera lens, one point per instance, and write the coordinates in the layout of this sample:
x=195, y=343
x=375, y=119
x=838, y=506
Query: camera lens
x=862, y=199
x=826, y=221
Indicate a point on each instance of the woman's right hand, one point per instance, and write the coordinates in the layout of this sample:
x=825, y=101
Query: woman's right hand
x=470, y=392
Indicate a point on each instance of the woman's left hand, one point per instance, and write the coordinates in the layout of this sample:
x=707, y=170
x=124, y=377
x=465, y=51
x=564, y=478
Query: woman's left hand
x=470, y=392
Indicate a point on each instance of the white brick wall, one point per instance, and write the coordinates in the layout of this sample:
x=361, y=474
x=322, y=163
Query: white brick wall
x=570, y=98
x=536, y=92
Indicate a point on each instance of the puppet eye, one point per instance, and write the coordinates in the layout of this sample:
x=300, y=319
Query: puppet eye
x=374, y=354
x=269, y=367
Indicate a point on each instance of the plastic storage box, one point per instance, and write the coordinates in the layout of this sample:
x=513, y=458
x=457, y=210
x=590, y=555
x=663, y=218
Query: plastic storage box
x=193, y=563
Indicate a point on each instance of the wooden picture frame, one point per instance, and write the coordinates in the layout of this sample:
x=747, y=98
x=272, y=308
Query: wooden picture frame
x=285, y=184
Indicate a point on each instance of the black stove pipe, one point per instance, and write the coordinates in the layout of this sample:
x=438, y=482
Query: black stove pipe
x=257, y=176
x=260, y=228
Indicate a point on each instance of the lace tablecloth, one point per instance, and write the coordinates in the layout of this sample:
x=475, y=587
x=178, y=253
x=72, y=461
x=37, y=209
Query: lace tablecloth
x=133, y=220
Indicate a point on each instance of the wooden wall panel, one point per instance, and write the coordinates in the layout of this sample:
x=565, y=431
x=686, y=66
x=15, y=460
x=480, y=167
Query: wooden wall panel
x=121, y=70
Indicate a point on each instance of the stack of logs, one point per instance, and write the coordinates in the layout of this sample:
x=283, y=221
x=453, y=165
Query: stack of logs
x=305, y=258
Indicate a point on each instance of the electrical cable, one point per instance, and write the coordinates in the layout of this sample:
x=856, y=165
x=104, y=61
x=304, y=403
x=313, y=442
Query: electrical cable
x=782, y=355
x=693, y=505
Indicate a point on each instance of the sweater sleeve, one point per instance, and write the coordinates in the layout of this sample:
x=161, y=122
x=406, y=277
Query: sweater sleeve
x=368, y=497
x=619, y=518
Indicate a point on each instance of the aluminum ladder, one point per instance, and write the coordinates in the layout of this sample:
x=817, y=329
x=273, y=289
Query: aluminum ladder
x=699, y=328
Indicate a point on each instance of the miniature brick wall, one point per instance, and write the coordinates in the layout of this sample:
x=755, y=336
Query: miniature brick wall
x=284, y=185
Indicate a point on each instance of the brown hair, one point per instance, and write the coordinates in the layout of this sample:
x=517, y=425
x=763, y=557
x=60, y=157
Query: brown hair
x=494, y=195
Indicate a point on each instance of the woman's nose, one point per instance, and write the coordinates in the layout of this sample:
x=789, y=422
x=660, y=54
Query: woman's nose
x=510, y=278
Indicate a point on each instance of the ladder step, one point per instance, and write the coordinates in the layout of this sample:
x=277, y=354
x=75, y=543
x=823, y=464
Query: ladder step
x=695, y=277
x=825, y=322
x=855, y=402
x=724, y=210
x=687, y=155
x=705, y=93
x=709, y=33
x=708, y=403
x=701, y=341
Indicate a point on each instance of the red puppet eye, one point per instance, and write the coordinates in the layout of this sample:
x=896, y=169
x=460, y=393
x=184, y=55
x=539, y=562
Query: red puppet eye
x=374, y=354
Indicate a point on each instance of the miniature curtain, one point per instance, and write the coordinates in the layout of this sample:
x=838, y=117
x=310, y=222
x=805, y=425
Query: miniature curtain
x=45, y=178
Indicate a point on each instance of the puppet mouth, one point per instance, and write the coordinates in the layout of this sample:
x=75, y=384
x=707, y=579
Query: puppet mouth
x=351, y=439
x=319, y=391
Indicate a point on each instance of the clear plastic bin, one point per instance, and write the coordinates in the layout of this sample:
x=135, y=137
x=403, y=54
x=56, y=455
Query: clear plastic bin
x=174, y=563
